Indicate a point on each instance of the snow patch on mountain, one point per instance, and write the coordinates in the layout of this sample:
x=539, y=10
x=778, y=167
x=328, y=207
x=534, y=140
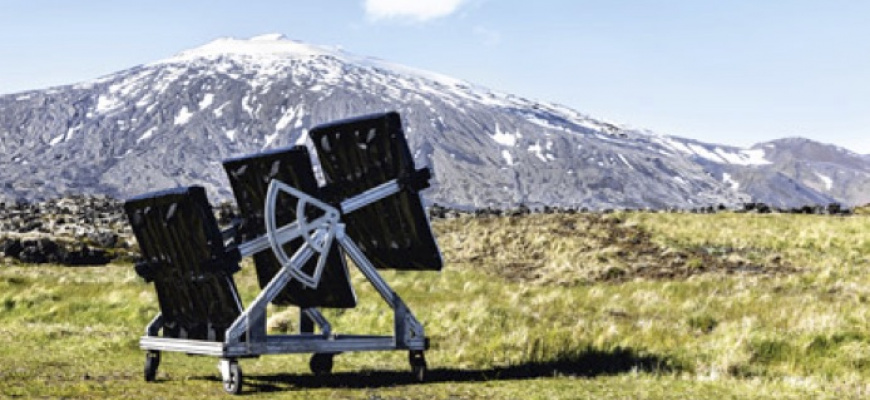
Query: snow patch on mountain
x=727, y=179
x=206, y=101
x=269, y=139
x=295, y=113
x=219, y=112
x=751, y=157
x=183, y=116
x=57, y=139
x=264, y=49
x=303, y=138
x=148, y=134
x=267, y=54
x=508, y=158
x=829, y=183
x=625, y=161
x=505, y=138
x=716, y=154
x=107, y=104
x=538, y=151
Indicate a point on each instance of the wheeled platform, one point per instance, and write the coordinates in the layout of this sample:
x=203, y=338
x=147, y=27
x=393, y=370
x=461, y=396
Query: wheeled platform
x=298, y=234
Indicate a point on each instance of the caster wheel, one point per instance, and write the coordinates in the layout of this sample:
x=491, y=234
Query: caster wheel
x=152, y=361
x=418, y=365
x=234, y=384
x=321, y=363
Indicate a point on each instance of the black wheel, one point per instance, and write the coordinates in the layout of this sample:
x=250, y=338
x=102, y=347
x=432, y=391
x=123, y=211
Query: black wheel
x=321, y=363
x=152, y=361
x=234, y=384
x=418, y=365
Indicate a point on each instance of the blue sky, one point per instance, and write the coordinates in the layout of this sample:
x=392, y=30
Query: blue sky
x=732, y=72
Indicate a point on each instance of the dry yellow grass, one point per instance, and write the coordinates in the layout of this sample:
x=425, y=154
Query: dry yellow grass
x=571, y=249
x=700, y=306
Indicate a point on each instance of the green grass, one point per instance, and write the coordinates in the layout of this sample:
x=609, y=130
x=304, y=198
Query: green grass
x=550, y=306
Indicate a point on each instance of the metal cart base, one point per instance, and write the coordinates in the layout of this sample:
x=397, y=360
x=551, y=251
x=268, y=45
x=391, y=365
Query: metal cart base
x=247, y=336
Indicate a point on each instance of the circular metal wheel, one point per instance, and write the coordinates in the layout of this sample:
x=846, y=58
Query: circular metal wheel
x=418, y=365
x=152, y=361
x=234, y=384
x=321, y=363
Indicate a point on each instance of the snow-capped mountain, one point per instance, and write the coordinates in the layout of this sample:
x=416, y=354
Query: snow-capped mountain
x=171, y=123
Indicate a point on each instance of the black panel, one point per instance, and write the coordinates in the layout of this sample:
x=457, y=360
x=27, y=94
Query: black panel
x=250, y=177
x=184, y=255
x=359, y=154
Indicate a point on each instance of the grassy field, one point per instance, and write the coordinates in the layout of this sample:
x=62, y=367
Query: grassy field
x=636, y=305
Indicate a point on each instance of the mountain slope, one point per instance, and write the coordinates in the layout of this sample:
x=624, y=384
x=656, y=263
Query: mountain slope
x=787, y=172
x=838, y=173
x=171, y=122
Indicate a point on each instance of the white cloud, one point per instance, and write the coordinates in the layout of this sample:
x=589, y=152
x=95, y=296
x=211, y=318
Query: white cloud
x=419, y=10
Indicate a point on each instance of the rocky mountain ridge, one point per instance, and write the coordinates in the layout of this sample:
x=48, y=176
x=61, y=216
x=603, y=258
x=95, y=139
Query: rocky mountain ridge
x=171, y=122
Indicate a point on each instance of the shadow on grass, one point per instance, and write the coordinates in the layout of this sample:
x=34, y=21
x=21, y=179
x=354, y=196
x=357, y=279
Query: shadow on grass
x=588, y=363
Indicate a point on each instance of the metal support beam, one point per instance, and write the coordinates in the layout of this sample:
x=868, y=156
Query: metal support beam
x=367, y=268
x=409, y=332
x=317, y=317
x=370, y=196
x=272, y=290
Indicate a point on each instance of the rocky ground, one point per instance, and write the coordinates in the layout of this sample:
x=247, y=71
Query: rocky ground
x=71, y=231
x=78, y=230
x=83, y=230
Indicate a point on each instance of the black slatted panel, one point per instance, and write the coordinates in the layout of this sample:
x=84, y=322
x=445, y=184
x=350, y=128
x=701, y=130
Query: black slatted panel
x=359, y=154
x=250, y=177
x=184, y=255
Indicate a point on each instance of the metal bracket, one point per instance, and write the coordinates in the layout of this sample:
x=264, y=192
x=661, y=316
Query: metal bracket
x=318, y=234
x=407, y=325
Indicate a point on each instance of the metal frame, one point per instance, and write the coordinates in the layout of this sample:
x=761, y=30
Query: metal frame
x=247, y=336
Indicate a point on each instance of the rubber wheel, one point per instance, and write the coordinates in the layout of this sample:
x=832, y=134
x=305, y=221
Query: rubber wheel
x=152, y=361
x=234, y=385
x=418, y=365
x=321, y=364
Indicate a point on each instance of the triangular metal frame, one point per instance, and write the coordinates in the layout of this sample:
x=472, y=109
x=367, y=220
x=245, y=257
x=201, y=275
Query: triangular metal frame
x=247, y=336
